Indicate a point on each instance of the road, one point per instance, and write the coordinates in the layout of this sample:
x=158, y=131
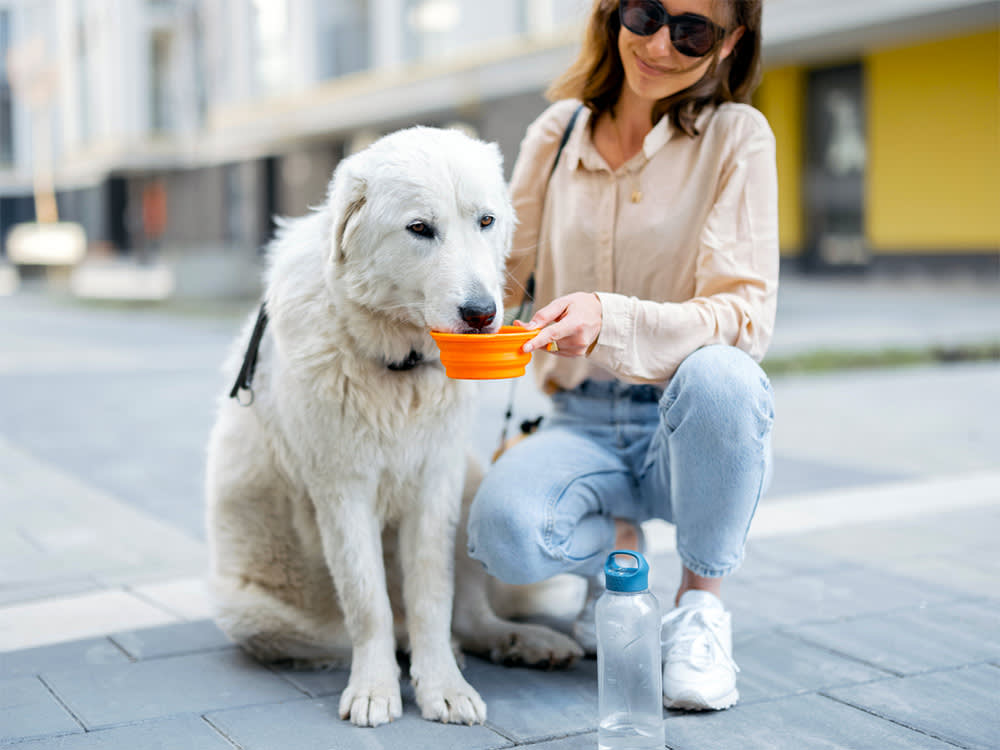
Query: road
x=122, y=399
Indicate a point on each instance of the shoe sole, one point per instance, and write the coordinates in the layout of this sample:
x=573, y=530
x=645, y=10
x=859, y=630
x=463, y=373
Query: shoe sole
x=695, y=702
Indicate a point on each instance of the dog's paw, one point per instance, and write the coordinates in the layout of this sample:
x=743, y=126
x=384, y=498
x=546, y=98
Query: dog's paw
x=535, y=646
x=456, y=702
x=370, y=705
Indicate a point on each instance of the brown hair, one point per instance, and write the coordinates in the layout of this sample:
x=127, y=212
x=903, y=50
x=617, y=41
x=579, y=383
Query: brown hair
x=597, y=75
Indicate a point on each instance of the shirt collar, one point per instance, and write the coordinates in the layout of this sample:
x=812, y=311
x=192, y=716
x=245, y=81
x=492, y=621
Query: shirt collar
x=580, y=148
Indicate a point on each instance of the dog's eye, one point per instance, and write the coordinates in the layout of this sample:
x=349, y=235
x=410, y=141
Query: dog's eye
x=487, y=221
x=422, y=229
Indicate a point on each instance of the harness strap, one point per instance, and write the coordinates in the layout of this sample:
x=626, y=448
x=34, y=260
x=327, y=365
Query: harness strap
x=244, y=380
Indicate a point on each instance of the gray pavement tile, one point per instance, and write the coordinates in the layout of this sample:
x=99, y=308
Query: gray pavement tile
x=83, y=530
x=172, y=640
x=953, y=532
x=971, y=573
x=799, y=723
x=586, y=741
x=153, y=399
x=183, y=733
x=781, y=557
x=916, y=640
x=314, y=725
x=794, y=476
x=104, y=696
x=28, y=709
x=28, y=570
x=961, y=706
x=529, y=705
x=773, y=665
x=317, y=683
x=45, y=582
x=849, y=592
x=83, y=653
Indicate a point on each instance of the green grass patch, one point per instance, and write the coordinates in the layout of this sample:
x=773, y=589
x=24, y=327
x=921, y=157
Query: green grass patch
x=831, y=361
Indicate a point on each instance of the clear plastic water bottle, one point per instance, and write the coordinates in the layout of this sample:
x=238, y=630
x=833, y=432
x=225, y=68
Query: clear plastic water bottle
x=630, y=683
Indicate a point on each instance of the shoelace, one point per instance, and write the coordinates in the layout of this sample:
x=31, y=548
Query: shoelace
x=700, y=624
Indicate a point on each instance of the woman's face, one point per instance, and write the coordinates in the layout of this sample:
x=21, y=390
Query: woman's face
x=653, y=68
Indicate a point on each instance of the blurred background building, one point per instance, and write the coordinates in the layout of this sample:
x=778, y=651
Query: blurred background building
x=177, y=129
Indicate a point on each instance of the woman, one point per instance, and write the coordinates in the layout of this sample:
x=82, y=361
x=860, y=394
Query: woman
x=656, y=258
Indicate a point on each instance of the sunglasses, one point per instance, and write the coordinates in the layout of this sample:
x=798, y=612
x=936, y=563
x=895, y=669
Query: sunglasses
x=692, y=35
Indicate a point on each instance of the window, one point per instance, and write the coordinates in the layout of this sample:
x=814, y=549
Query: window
x=343, y=37
x=271, y=44
x=159, y=88
x=6, y=103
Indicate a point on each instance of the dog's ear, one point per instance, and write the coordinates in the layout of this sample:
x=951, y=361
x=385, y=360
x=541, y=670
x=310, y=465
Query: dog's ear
x=346, y=197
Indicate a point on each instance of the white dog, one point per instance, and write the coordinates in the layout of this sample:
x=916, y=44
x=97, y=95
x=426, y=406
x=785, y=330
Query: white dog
x=333, y=497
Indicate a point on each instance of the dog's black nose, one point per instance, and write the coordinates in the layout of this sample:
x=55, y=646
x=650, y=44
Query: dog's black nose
x=478, y=314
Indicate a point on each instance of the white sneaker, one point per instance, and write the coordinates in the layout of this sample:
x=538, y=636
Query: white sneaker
x=698, y=668
x=585, y=626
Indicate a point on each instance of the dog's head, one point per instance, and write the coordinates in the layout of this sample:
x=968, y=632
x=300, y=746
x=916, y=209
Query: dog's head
x=421, y=225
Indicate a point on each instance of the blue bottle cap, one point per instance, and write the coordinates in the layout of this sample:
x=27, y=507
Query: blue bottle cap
x=630, y=578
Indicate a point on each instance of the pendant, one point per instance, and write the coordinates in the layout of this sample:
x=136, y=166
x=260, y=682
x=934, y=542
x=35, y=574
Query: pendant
x=636, y=196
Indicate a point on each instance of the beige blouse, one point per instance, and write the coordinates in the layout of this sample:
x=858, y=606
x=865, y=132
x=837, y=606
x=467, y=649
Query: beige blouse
x=695, y=262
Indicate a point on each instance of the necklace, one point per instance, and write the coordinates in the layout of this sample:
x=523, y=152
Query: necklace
x=636, y=192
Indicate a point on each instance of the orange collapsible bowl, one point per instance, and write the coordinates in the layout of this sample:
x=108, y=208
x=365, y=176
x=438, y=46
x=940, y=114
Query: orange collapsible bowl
x=484, y=356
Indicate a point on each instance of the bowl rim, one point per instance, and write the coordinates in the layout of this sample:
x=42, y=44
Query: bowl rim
x=505, y=332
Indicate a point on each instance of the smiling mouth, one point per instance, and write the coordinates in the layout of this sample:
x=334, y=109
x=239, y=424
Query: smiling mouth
x=649, y=68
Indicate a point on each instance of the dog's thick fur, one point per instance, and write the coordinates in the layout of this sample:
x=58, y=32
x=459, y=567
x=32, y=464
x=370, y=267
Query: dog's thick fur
x=333, y=499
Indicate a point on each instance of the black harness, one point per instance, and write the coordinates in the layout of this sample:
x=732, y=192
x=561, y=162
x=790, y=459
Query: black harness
x=244, y=381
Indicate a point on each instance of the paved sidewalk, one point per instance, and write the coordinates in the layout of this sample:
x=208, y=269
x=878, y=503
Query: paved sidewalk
x=867, y=614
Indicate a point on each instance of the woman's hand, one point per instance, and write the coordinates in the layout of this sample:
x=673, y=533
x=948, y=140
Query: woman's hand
x=572, y=323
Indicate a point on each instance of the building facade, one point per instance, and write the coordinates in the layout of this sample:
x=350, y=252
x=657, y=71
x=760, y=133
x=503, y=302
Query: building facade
x=181, y=127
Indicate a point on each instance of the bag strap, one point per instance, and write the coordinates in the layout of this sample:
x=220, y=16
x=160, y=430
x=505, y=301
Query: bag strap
x=529, y=285
x=529, y=296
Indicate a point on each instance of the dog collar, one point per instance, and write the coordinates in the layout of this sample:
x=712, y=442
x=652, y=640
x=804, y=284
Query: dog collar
x=413, y=359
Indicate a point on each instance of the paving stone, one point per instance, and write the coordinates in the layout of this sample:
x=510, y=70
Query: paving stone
x=961, y=706
x=44, y=587
x=188, y=598
x=793, y=476
x=316, y=683
x=183, y=733
x=56, y=509
x=774, y=664
x=103, y=696
x=49, y=621
x=151, y=397
x=971, y=572
x=851, y=591
x=952, y=532
x=172, y=640
x=806, y=721
x=528, y=705
x=916, y=640
x=577, y=742
x=28, y=709
x=84, y=653
x=779, y=557
x=314, y=725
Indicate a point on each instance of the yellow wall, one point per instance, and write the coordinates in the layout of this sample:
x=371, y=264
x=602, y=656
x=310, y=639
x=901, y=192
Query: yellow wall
x=934, y=146
x=781, y=97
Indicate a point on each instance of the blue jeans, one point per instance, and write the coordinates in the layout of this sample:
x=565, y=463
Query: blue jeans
x=697, y=455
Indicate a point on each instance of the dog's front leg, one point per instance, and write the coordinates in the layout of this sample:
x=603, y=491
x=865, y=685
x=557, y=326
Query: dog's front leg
x=352, y=545
x=427, y=539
